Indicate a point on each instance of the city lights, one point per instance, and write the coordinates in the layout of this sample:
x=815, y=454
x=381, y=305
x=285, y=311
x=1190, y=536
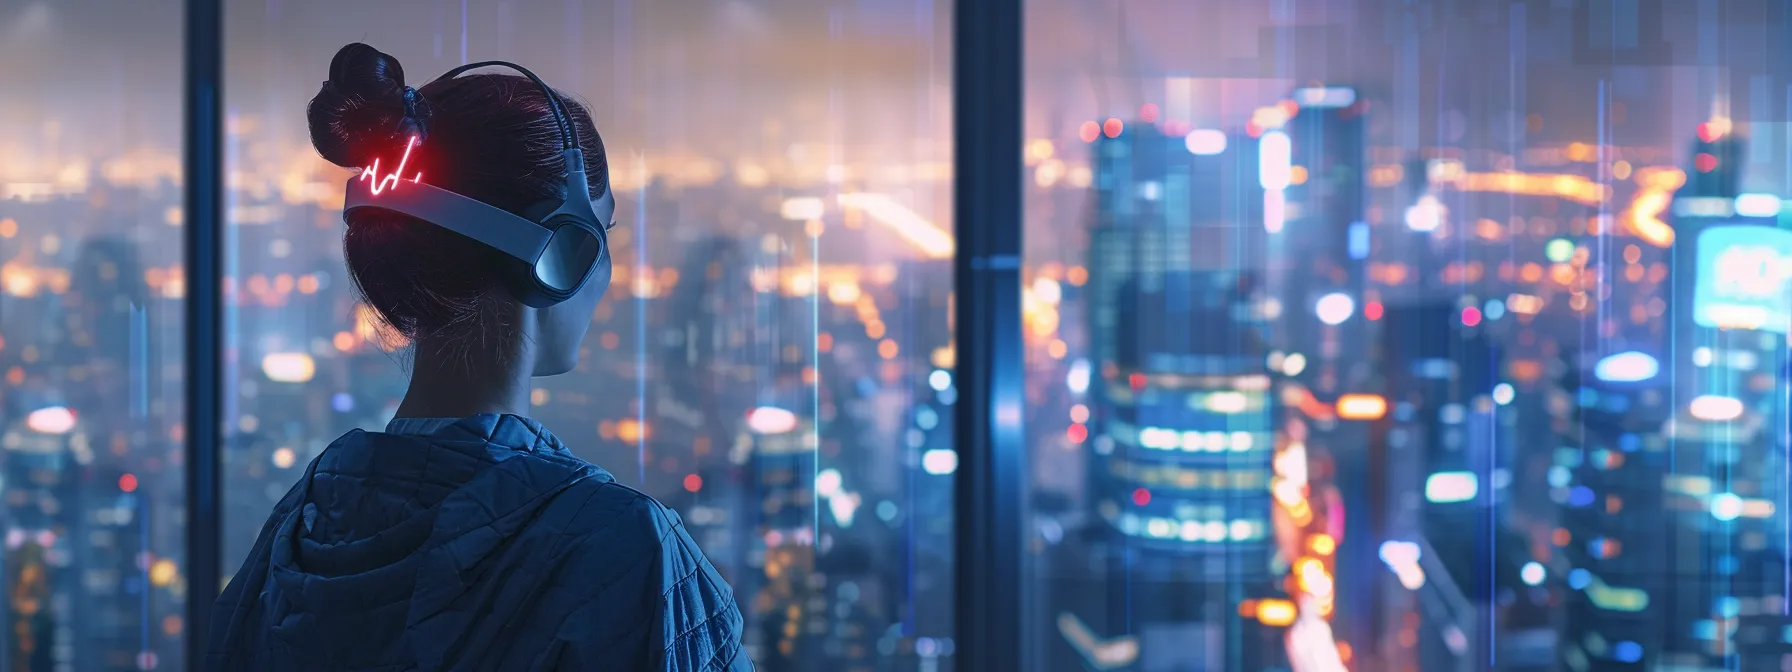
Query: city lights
x=1334, y=308
x=1294, y=363
x=1323, y=97
x=1715, y=408
x=1205, y=141
x=1758, y=205
x=939, y=461
x=1626, y=367
x=1503, y=394
x=1425, y=215
x=939, y=380
x=1726, y=506
x=1275, y=161
x=51, y=420
x=1402, y=557
x=933, y=241
x=288, y=367
x=802, y=208
x=1449, y=487
x=1532, y=574
x=1741, y=278
x=1275, y=613
x=771, y=420
x=1362, y=406
x=1559, y=250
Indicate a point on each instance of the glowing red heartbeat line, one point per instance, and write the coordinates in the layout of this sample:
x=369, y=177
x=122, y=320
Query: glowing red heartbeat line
x=381, y=184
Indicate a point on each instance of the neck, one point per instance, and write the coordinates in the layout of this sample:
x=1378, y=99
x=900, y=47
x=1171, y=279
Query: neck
x=443, y=386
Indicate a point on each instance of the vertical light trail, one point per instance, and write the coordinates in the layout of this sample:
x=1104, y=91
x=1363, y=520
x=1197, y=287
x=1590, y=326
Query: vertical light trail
x=640, y=236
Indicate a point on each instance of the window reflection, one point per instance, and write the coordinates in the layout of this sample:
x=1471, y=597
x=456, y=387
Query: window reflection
x=1512, y=277
x=91, y=493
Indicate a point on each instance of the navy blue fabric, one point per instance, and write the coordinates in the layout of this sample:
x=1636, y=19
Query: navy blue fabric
x=483, y=546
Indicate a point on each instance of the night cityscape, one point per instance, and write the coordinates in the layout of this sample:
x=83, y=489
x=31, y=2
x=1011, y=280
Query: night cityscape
x=1370, y=335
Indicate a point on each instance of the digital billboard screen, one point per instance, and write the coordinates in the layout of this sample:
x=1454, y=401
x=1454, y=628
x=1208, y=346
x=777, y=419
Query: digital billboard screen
x=1741, y=282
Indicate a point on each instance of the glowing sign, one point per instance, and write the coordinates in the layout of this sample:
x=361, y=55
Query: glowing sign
x=1741, y=281
x=381, y=184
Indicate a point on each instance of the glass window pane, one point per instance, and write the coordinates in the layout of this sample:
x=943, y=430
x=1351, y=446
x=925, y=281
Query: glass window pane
x=773, y=356
x=91, y=337
x=1408, y=335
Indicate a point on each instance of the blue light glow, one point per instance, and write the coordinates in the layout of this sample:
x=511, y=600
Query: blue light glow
x=1740, y=281
x=1627, y=652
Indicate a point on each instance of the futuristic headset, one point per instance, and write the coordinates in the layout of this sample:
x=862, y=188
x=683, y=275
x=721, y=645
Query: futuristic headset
x=564, y=250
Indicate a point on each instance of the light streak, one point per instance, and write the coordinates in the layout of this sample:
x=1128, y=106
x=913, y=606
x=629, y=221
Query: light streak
x=1643, y=217
x=932, y=240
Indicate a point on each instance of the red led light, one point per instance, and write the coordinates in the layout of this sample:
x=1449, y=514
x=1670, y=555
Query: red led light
x=693, y=483
x=1708, y=133
x=1141, y=496
x=1137, y=381
x=1471, y=316
x=1148, y=112
x=1089, y=132
x=1704, y=162
x=1373, y=311
x=127, y=483
x=381, y=184
x=1077, y=433
x=1112, y=127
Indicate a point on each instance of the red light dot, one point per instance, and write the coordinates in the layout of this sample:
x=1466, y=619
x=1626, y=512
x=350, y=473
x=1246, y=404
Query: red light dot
x=1148, y=112
x=1141, y=496
x=1471, y=316
x=1707, y=133
x=1112, y=127
x=693, y=482
x=1077, y=433
x=1704, y=162
x=127, y=483
x=1372, y=311
x=1089, y=132
x=1137, y=381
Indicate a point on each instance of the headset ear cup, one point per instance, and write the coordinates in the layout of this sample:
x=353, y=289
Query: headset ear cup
x=519, y=279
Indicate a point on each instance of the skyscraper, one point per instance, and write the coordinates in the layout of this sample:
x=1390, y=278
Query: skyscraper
x=1181, y=417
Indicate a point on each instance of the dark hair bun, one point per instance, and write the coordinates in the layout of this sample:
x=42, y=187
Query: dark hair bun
x=365, y=111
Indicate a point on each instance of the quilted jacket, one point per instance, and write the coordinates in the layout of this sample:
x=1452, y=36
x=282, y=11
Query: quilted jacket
x=484, y=545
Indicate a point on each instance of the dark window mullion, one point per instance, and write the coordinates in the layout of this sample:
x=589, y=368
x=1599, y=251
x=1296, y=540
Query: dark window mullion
x=987, y=172
x=203, y=177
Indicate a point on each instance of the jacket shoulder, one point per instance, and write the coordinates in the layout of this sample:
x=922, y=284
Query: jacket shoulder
x=634, y=556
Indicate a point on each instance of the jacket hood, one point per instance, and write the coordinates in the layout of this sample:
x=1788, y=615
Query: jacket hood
x=386, y=529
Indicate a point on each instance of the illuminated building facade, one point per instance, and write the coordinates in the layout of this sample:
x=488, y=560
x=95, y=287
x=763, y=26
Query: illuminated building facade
x=1611, y=477
x=73, y=534
x=1181, y=412
x=1318, y=250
